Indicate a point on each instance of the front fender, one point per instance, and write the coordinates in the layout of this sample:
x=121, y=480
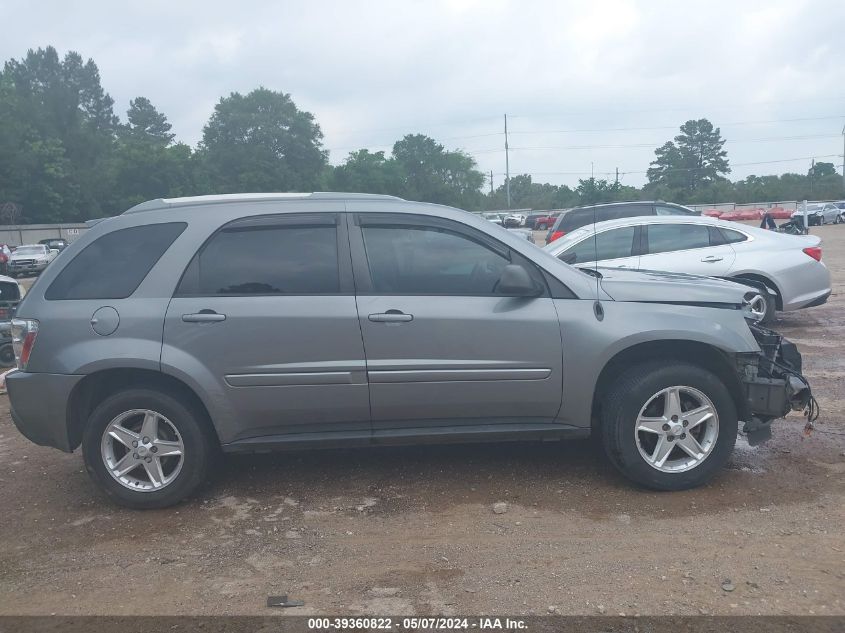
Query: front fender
x=589, y=344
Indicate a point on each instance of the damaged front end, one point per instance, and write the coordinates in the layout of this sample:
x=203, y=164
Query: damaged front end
x=773, y=384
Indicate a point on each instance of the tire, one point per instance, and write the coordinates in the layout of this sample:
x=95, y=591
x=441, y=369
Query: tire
x=198, y=446
x=627, y=448
x=542, y=227
x=771, y=309
x=7, y=355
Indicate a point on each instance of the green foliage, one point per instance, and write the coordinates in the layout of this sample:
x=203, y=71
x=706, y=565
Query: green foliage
x=65, y=156
x=368, y=171
x=694, y=160
x=433, y=174
x=262, y=142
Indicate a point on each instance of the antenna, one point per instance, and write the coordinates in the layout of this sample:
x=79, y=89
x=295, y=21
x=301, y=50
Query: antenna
x=598, y=310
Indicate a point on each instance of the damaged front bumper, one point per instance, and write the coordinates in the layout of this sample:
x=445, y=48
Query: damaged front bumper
x=773, y=384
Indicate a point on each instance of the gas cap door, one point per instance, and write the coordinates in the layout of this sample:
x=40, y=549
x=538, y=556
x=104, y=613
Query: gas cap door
x=105, y=321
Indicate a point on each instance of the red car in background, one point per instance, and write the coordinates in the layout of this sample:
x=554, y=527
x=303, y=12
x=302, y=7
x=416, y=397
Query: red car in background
x=5, y=254
x=541, y=221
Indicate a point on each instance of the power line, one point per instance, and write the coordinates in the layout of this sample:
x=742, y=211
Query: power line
x=563, y=131
x=673, y=127
x=626, y=171
x=652, y=145
x=693, y=106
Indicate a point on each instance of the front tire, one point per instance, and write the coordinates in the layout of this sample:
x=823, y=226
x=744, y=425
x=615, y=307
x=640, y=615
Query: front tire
x=146, y=448
x=668, y=425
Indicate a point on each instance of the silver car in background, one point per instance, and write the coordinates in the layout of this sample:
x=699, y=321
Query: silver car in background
x=820, y=213
x=788, y=268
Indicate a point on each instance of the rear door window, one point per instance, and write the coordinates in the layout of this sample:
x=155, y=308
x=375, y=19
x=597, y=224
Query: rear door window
x=663, y=238
x=115, y=264
x=266, y=258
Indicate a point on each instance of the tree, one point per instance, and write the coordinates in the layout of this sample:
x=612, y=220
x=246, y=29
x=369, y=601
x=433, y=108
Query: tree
x=64, y=129
x=694, y=160
x=432, y=174
x=821, y=170
x=369, y=172
x=146, y=123
x=262, y=142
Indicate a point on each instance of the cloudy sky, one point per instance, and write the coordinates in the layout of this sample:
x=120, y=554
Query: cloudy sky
x=586, y=85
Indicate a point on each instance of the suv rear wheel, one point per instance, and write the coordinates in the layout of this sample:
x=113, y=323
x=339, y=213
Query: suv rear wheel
x=668, y=425
x=146, y=448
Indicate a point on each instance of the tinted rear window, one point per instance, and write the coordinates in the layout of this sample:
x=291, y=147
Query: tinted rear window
x=114, y=265
x=663, y=238
x=577, y=218
x=266, y=260
x=9, y=291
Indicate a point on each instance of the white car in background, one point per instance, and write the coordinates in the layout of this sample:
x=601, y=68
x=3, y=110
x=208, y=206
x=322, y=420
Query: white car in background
x=820, y=213
x=30, y=259
x=787, y=269
x=515, y=220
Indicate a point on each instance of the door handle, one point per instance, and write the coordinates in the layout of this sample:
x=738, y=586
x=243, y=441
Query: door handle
x=711, y=259
x=203, y=316
x=391, y=316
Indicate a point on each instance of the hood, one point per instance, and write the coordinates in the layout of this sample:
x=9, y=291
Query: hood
x=17, y=255
x=650, y=286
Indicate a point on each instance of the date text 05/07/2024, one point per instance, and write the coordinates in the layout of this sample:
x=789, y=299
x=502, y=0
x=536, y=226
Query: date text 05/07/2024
x=417, y=623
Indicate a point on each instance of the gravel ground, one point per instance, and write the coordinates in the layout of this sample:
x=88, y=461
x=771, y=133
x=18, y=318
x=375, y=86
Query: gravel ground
x=413, y=530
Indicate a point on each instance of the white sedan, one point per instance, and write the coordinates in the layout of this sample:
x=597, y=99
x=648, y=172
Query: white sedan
x=787, y=268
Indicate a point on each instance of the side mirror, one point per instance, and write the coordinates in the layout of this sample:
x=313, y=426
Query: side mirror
x=55, y=251
x=569, y=258
x=515, y=281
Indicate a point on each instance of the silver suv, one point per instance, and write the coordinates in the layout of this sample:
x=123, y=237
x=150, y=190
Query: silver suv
x=258, y=322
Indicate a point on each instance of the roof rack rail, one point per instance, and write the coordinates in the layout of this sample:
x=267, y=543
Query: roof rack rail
x=228, y=198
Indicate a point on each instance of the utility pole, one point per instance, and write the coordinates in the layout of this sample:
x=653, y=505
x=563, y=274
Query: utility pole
x=843, y=158
x=812, y=175
x=616, y=182
x=491, y=182
x=592, y=175
x=507, y=165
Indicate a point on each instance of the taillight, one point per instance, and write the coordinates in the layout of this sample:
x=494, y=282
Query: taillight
x=815, y=252
x=24, y=332
x=556, y=235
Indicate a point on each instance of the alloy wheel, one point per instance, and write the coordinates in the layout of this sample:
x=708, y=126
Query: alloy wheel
x=677, y=429
x=142, y=450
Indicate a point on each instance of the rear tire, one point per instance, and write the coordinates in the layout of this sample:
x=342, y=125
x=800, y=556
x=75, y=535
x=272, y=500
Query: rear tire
x=180, y=427
x=626, y=409
x=542, y=227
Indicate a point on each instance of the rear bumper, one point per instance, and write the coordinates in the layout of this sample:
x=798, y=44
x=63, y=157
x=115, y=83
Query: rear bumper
x=38, y=404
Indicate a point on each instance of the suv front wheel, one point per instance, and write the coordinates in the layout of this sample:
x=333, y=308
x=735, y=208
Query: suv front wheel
x=146, y=448
x=668, y=425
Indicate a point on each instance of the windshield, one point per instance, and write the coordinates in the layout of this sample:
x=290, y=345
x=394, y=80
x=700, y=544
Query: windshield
x=31, y=250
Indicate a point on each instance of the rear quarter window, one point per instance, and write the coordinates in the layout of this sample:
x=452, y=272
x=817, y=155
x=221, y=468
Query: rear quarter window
x=115, y=264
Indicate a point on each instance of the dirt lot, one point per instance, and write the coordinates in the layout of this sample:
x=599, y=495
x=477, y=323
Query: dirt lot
x=411, y=530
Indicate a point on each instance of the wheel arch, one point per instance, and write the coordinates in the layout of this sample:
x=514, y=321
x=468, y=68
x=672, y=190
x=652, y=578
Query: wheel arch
x=762, y=279
x=96, y=387
x=705, y=356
